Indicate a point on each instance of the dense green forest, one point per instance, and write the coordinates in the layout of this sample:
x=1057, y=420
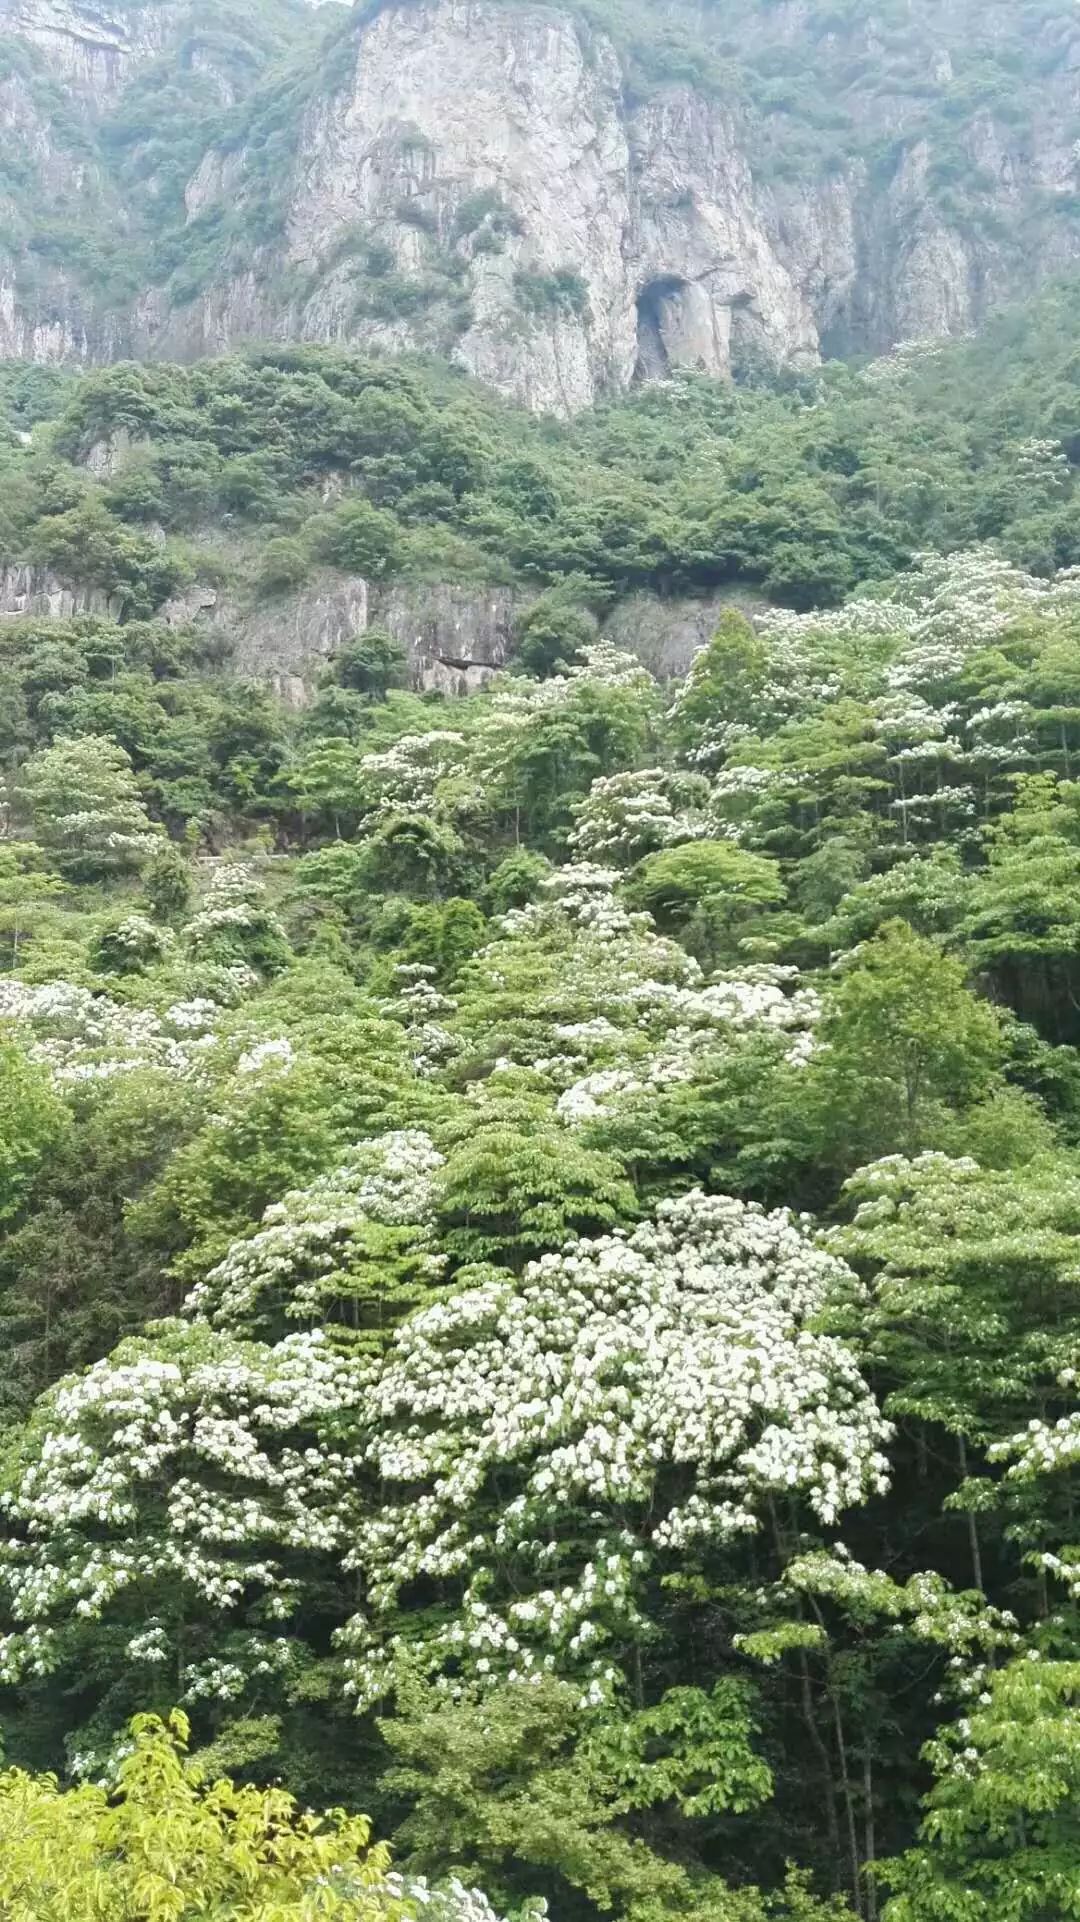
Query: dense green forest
x=540, y=1255
x=539, y=1267
x=255, y=471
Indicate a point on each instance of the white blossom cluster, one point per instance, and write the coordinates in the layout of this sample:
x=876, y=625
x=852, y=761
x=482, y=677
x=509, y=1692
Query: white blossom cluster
x=688, y=1345
x=883, y=1188
x=82, y=1037
x=944, y=803
x=97, y=827
x=796, y=683
x=894, y=367
x=1042, y=1448
x=944, y=608
x=291, y=1266
x=582, y=893
x=597, y=970
x=178, y=1476
x=643, y=1014
x=962, y=1621
x=275, y=1055
x=421, y=1007
x=857, y=617
x=140, y=936
x=625, y=816
x=406, y=777
x=690, y=1025
x=451, y=1901
x=578, y=898
x=1042, y=464
x=959, y=602
x=600, y=661
x=448, y=775
x=944, y=752
x=742, y=781
x=516, y=704
x=234, y=901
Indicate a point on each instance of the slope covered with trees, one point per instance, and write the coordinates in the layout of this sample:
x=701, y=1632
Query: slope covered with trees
x=257, y=473
x=539, y=1235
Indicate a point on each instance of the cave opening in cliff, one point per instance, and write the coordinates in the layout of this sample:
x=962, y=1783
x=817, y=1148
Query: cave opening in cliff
x=654, y=304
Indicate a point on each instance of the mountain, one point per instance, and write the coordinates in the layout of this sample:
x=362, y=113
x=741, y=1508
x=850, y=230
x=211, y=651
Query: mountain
x=562, y=200
x=539, y=1233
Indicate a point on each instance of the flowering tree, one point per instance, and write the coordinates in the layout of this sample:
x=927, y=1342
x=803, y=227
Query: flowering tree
x=131, y=944
x=167, y=1512
x=961, y=1261
x=354, y=1249
x=744, y=679
x=540, y=744
x=548, y=1449
x=233, y=925
x=85, y=807
x=847, y=1631
x=626, y=816
x=685, y=1036
x=567, y=975
x=81, y=1037
x=287, y=1114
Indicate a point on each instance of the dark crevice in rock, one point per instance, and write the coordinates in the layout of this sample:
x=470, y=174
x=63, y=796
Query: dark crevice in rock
x=653, y=312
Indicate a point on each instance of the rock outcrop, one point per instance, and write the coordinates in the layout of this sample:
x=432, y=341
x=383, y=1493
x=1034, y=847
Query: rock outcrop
x=489, y=180
x=481, y=182
x=90, y=48
x=480, y=187
x=454, y=637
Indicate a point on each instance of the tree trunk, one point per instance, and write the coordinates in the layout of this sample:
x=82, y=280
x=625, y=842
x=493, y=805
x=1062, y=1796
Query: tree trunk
x=973, y=1526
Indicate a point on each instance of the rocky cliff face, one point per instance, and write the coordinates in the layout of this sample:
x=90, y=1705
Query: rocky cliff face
x=91, y=49
x=100, y=104
x=480, y=187
x=453, y=637
x=489, y=179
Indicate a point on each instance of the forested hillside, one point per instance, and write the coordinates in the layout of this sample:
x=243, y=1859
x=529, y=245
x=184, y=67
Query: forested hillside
x=264, y=473
x=539, y=1268
x=539, y=961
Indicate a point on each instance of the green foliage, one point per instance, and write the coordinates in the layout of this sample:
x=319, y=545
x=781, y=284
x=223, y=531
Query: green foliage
x=998, y=1840
x=903, y=1040
x=550, y=294
x=167, y=883
x=88, y=544
x=410, y=854
x=508, y=1193
x=371, y=664
x=1020, y=926
x=84, y=803
x=802, y=489
x=672, y=884
x=169, y=1846
x=538, y=1234
x=550, y=635
x=359, y=538
x=284, y=565
x=509, y=1785
x=32, y=1122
